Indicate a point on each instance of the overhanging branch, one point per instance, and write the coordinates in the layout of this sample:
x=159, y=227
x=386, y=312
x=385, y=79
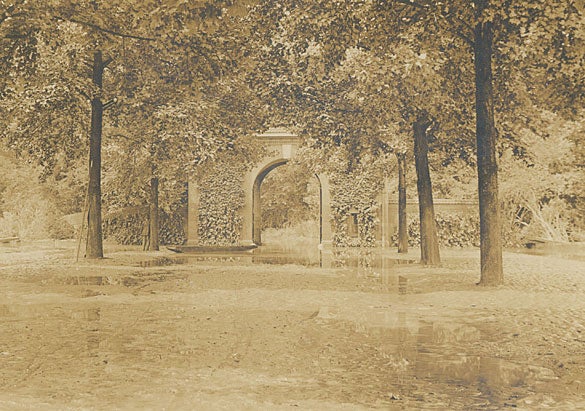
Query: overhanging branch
x=412, y=3
x=107, y=62
x=458, y=32
x=109, y=31
x=450, y=18
x=7, y=13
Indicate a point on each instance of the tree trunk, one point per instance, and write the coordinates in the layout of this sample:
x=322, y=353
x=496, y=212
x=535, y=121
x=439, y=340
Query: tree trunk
x=402, y=223
x=257, y=212
x=429, y=241
x=94, y=246
x=492, y=272
x=153, y=211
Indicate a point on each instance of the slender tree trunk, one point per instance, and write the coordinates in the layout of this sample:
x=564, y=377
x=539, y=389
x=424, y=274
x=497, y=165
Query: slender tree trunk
x=492, y=272
x=94, y=247
x=429, y=241
x=153, y=211
x=402, y=223
x=257, y=212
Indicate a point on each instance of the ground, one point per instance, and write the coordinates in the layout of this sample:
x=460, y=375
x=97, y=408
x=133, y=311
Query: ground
x=141, y=330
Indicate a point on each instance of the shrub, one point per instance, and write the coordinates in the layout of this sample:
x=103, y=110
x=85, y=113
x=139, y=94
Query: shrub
x=126, y=227
x=59, y=229
x=454, y=230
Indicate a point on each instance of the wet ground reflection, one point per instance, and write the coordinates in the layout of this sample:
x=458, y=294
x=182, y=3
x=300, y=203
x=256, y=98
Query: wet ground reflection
x=306, y=257
x=362, y=330
x=86, y=280
x=419, y=350
x=376, y=264
x=410, y=351
x=361, y=258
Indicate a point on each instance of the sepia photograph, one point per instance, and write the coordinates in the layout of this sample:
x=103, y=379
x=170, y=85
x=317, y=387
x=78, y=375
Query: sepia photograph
x=292, y=204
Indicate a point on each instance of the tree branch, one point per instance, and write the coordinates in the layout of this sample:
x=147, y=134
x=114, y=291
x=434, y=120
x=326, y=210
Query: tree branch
x=463, y=37
x=412, y=3
x=15, y=36
x=453, y=29
x=448, y=17
x=107, y=62
x=83, y=93
x=9, y=10
x=109, y=104
x=105, y=30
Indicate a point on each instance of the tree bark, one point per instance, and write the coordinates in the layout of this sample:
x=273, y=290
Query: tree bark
x=487, y=167
x=257, y=212
x=402, y=223
x=94, y=245
x=153, y=212
x=429, y=241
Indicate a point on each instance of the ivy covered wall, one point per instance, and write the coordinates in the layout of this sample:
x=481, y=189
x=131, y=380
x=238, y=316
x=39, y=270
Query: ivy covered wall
x=354, y=198
x=221, y=198
x=125, y=226
x=355, y=203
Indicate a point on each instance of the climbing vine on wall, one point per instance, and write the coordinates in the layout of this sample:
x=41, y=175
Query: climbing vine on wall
x=354, y=199
x=125, y=226
x=221, y=198
x=455, y=230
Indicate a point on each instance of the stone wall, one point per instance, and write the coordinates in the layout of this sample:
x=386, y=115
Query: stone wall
x=389, y=217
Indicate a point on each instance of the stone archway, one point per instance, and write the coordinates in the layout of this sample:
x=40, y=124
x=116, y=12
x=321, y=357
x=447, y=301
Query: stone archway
x=281, y=147
x=255, y=219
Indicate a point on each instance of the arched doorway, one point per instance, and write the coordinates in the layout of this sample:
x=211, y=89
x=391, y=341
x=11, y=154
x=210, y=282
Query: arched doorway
x=286, y=206
x=252, y=211
x=257, y=200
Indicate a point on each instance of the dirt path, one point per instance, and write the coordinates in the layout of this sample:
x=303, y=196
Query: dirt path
x=217, y=335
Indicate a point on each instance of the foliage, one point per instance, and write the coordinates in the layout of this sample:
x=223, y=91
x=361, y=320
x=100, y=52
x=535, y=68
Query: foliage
x=545, y=204
x=289, y=195
x=454, y=230
x=221, y=198
x=125, y=226
x=59, y=229
x=167, y=58
x=28, y=208
x=454, y=178
x=179, y=112
x=361, y=89
x=355, y=192
x=43, y=108
x=383, y=64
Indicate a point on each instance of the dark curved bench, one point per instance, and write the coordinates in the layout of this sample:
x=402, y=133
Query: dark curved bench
x=9, y=240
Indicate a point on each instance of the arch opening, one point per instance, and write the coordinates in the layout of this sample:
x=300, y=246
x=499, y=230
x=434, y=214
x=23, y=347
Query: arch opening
x=295, y=200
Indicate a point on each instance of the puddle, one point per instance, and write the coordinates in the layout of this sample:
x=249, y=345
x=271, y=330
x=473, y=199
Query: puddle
x=163, y=261
x=18, y=311
x=306, y=257
x=434, y=352
x=496, y=379
x=86, y=280
x=131, y=280
x=334, y=258
x=376, y=264
x=288, y=259
x=402, y=285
